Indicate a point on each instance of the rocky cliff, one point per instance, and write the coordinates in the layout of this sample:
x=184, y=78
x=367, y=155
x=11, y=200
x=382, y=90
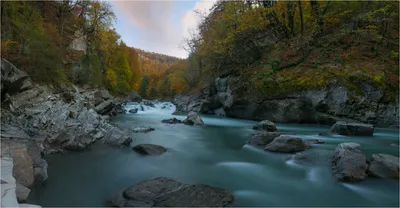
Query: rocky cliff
x=37, y=120
x=227, y=96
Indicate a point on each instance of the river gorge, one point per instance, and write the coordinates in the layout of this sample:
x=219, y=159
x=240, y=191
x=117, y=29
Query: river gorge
x=216, y=154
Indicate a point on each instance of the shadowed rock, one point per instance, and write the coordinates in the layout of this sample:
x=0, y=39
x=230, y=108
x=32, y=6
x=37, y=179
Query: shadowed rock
x=149, y=149
x=265, y=125
x=384, y=166
x=262, y=138
x=165, y=192
x=286, y=144
x=349, y=164
x=352, y=129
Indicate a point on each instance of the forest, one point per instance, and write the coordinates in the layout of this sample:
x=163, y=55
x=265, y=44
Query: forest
x=273, y=46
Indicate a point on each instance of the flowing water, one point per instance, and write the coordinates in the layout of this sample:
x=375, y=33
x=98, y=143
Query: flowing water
x=216, y=154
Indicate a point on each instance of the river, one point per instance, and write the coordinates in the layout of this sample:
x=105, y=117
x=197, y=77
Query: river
x=216, y=154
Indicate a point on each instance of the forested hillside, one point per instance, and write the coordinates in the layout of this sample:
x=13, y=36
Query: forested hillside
x=280, y=47
x=74, y=42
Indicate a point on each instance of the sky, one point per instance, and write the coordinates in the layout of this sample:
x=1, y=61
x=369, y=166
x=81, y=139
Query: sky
x=158, y=26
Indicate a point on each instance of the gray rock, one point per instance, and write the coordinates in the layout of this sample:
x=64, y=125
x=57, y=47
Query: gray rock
x=132, y=96
x=198, y=195
x=165, y=192
x=105, y=107
x=262, y=138
x=117, y=138
x=265, y=125
x=149, y=149
x=310, y=142
x=193, y=117
x=103, y=94
x=219, y=112
x=79, y=142
x=134, y=110
x=13, y=80
x=349, y=164
x=384, y=166
x=171, y=121
x=297, y=157
x=352, y=129
x=286, y=144
x=22, y=192
x=144, y=129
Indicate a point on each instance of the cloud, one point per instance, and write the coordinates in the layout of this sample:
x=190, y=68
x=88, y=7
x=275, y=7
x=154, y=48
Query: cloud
x=161, y=25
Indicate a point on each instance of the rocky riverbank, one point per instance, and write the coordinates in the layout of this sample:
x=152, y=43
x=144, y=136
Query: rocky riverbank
x=37, y=120
x=229, y=97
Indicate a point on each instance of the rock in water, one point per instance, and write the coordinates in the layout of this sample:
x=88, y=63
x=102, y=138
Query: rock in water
x=310, y=142
x=165, y=192
x=286, y=144
x=265, y=125
x=349, y=163
x=144, y=129
x=22, y=192
x=193, y=117
x=105, y=107
x=262, y=138
x=149, y=149
x=171, y=121
x=384, y=166
x=134, y=110
x=352, y=129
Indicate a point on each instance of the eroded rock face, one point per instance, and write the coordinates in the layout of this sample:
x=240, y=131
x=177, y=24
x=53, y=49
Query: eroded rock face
x=286, y=144
x=265, y=125
x=349, y=163
x=193, y=118
x=262, y=138
x=384, y=166
x=352, y=129
x=149, y=149
x=165, y=192
x=13, y=80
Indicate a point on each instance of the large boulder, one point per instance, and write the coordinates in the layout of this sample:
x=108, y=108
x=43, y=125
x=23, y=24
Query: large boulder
x=102, y=94
x=165, y=192
x=149, y=149
x=286, y=144
x=132, y=96
x=23, y=165
x=265, y=125
x=352, y=129
x=193, y=118
x=262, y=138
x=349, y=163
x=13, y=80
x=384, y=166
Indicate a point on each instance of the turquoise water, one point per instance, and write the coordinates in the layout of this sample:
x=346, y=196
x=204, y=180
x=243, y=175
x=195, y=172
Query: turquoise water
x=216, y=154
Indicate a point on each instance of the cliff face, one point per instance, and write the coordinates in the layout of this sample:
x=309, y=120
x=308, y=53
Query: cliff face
x=321, y=106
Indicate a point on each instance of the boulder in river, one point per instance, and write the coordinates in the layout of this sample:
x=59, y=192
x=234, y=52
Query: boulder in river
x=298, y=156
x=286, y=144
x=105, y=107
x=349, y=163
x=22, y=192
x=265, y=125
x=133, y=110
x=165, y=192
x=384, y=166
x=149, y=149
x=144, y=129
x=352, y=129
x=262, y=138
x=193, y=117
x=171, y=121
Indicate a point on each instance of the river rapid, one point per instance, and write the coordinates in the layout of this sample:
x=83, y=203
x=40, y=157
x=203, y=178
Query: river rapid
x=217, y=154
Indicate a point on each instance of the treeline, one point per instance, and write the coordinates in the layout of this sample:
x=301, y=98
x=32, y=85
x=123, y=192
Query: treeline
x=75, y=42
x=296, y=44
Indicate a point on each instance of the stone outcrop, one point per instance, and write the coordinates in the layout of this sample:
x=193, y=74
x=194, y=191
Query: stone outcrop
x=286, y=144
x=384, y=166
x=348, y=163
x=171, y=121
x=352, y=129
x=321, y=106
x=165, y=192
